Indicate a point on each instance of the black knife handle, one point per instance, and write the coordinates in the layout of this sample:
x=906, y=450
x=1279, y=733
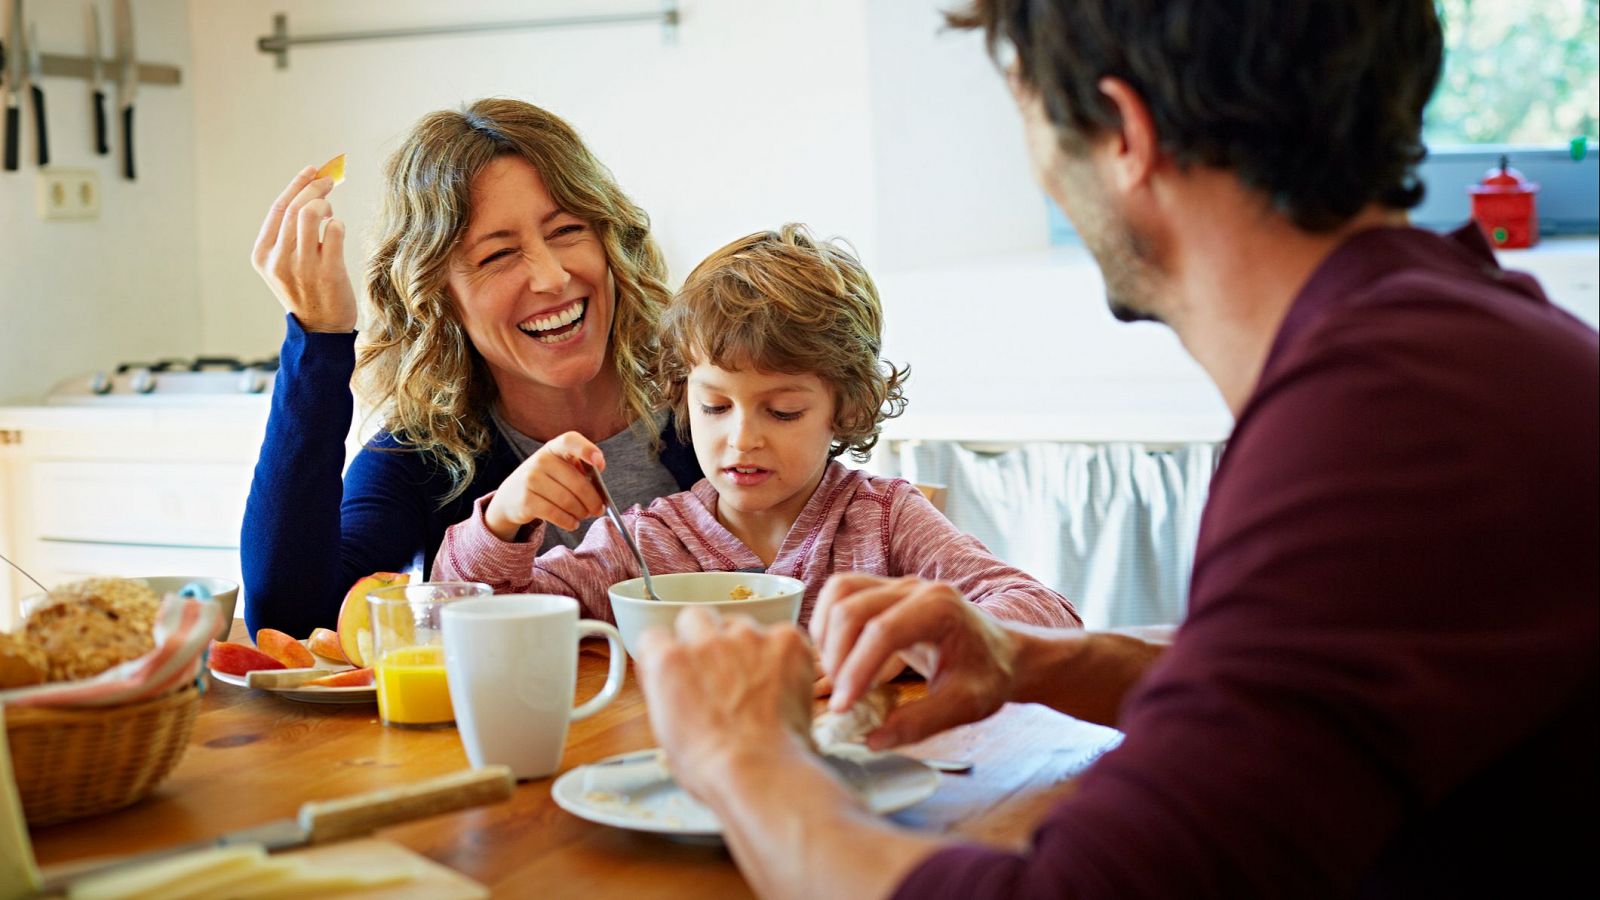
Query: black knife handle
x=127, y=142
x=102, y=144
x=13, y=134
x=38, y=125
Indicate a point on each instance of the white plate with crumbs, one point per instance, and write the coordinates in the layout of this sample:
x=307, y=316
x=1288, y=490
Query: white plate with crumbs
x=634, y=791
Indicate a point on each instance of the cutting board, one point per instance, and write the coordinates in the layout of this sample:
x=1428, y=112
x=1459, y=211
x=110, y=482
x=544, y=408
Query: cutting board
x=432, y=882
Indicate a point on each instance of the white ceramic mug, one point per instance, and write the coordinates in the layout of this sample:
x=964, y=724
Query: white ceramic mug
x=512, y=664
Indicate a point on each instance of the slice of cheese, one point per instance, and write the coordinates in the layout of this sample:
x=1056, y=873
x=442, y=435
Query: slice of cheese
x=172, y=877
x=243, y=872
x=299, y=879
x=333, y=168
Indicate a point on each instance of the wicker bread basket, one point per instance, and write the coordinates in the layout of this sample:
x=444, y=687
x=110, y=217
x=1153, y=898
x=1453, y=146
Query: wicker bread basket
x=71, y=763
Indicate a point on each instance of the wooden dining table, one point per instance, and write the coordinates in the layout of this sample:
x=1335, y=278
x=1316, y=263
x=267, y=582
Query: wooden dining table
x=255, y=757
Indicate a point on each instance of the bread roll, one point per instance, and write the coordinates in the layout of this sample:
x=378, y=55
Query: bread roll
x=89, y=626
x=21, y=663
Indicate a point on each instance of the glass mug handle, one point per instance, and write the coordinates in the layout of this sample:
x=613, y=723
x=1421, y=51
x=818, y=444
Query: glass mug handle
x=619, y=668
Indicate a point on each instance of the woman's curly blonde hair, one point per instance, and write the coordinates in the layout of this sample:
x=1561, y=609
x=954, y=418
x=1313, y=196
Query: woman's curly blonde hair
x=417, y=368
x=783, y=301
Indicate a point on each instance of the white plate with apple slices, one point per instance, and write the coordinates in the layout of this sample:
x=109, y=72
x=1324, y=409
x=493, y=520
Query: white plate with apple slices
x=284, y=682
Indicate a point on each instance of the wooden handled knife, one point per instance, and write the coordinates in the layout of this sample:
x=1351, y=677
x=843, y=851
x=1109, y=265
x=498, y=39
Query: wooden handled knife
x=321, y=822
x=97, y=81
x=41, y=133
x=13, y=77
x=127, y=79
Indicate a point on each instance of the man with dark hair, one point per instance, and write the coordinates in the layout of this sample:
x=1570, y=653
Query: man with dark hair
x=1389, y=678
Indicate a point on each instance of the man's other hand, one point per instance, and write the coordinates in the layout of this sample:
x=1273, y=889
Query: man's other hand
x=720, y=689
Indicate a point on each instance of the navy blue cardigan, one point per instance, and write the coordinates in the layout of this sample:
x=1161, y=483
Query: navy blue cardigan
x=308, y=534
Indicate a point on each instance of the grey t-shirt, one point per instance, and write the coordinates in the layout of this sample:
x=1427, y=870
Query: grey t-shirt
x=634, y=473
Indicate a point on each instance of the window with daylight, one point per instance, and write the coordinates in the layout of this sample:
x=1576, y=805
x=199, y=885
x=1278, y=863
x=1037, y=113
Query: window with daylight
x=1521, y=79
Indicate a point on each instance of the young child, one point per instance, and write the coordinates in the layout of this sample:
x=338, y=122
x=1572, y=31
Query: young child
x=770, y=358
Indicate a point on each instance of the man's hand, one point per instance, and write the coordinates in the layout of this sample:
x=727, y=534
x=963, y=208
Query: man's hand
x=724, y=689
x=823, y=686
x=862, y=621
x=549, y=486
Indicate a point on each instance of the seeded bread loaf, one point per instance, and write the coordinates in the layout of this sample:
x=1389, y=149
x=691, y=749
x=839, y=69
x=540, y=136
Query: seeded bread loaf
x=89, y=626
x=21, y=663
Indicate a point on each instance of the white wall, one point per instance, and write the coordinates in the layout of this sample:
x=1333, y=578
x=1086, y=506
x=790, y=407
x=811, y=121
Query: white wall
x=80, y=295
x=950, y=172
x=757, y=115
x=863, y=118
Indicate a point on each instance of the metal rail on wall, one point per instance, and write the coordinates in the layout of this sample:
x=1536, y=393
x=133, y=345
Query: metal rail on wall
x=280, y=40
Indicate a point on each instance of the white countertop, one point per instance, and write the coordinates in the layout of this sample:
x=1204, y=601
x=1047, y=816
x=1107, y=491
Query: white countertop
x=1021, y=347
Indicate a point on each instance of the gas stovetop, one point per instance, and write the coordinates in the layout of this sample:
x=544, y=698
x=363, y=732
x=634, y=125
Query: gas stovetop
x=201, y=381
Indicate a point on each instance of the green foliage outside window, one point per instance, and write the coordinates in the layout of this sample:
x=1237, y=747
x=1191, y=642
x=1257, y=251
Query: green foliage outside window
x=1517, y=72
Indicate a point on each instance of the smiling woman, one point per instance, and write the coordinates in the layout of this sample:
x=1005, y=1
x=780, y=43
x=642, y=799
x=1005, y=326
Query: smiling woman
x=514, y=294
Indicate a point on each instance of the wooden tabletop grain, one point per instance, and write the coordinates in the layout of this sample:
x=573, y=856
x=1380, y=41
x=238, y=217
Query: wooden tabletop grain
x=255, y=757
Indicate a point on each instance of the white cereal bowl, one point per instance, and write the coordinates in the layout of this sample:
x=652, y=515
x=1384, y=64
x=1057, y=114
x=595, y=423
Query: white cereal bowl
x=225, y=592
x=777, y=599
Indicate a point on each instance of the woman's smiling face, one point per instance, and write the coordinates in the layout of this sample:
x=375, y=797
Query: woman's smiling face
x=532, y=283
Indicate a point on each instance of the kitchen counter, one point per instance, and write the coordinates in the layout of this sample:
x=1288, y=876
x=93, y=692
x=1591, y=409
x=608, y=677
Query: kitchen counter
x=1021, y=347
x=124, y=490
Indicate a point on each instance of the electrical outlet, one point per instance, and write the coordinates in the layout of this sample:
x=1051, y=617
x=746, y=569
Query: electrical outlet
x=69, y=194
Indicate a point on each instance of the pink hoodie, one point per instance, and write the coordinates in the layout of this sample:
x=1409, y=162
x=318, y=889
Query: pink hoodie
x=855, y=522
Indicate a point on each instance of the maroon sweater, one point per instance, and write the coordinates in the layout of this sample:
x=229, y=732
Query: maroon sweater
x=1387, y=682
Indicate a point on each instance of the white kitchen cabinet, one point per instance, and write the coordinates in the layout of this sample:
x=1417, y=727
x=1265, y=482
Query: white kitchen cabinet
x=130, y=492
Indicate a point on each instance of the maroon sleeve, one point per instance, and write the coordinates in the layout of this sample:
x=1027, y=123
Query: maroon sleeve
x=1394, y=592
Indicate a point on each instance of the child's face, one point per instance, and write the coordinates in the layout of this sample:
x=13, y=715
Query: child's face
x=762, y=438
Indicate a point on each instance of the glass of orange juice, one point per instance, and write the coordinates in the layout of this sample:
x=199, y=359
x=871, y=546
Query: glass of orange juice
x=408, y=650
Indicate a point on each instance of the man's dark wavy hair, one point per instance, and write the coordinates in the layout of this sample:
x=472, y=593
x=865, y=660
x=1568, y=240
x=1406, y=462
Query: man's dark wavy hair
x=1315, y=103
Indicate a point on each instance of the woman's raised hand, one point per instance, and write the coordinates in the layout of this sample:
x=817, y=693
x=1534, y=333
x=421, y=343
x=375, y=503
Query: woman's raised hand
x=306, y=274
x=550, y=486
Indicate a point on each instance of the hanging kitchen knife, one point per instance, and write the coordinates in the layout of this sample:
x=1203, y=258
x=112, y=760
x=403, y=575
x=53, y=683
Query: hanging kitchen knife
x=330, y=820
x=127, y=80
x=97, y=80
x=35, y=72
x=13, y=78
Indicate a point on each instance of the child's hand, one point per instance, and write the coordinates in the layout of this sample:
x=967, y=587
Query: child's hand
x=550, y=486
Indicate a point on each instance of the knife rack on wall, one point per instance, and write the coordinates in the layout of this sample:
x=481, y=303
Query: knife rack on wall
x=80, y=67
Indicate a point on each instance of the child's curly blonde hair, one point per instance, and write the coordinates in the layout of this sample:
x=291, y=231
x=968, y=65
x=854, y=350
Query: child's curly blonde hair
x=783, y=301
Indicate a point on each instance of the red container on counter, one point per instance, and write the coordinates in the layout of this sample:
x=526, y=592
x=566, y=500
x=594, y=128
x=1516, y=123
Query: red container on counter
x=1503, y=206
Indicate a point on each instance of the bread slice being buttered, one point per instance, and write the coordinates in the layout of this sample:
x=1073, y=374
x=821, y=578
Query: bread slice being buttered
x=854, y=724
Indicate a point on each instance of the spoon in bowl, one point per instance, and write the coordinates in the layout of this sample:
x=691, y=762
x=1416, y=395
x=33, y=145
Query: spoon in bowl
x=25, y=574
x=615, y=515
